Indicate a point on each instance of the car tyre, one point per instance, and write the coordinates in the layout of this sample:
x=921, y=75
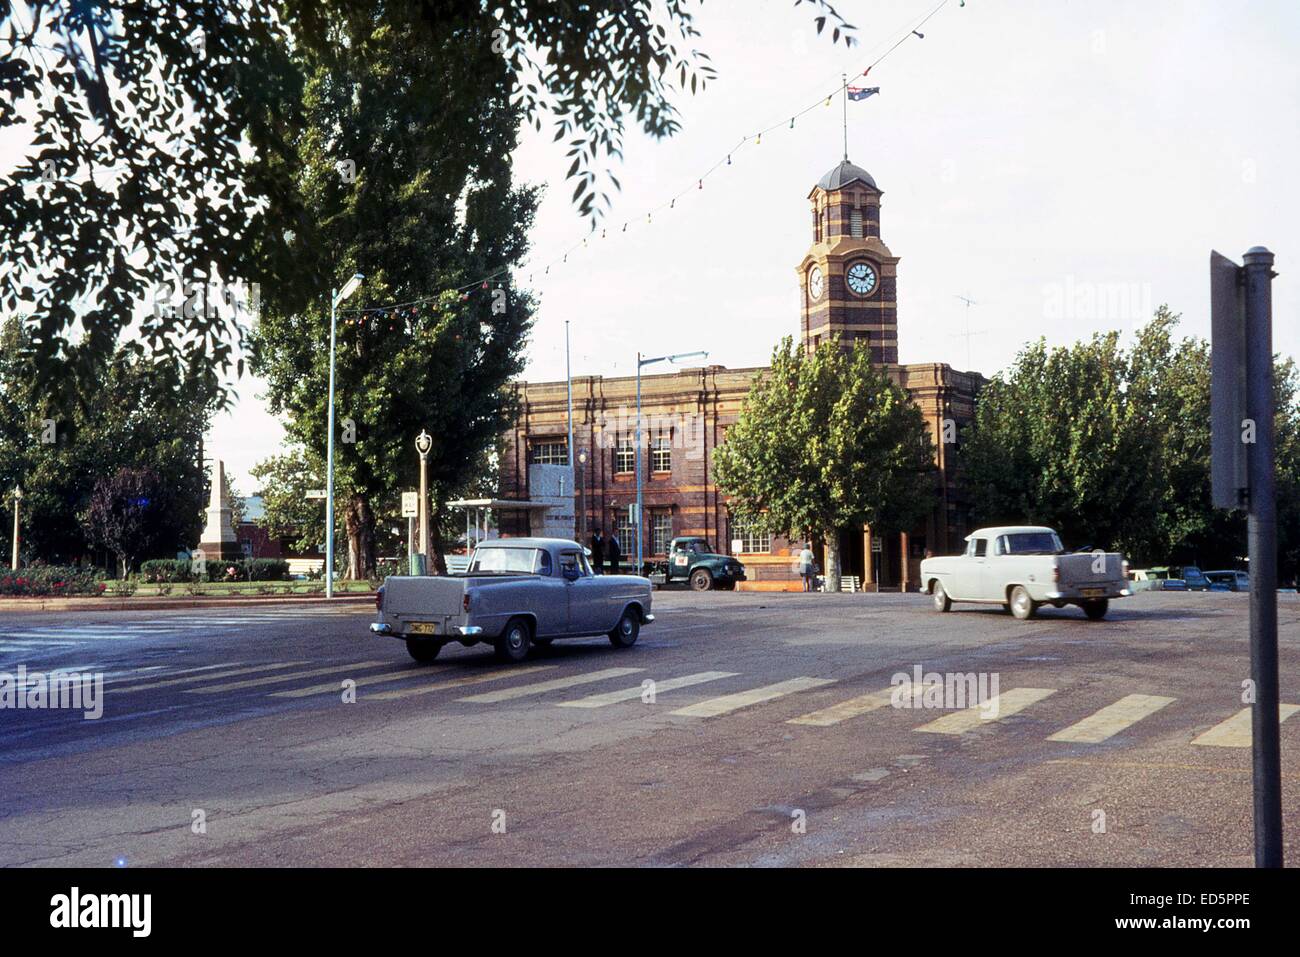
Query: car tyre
x=1096, y=609
x=941, y=600
x=701, y=580
x=626, y=631
x=422, y=649
x=515, y=641
x=1022, y=606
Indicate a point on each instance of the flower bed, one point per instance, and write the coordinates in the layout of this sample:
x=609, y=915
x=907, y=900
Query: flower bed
x=51, y=580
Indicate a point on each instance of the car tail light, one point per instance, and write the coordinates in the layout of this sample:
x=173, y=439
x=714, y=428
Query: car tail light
x=1056, y=572
x=1123, y=568
x=379, y=599
x=465, y=602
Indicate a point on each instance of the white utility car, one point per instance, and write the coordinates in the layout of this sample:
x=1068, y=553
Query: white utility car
x=1022, y=567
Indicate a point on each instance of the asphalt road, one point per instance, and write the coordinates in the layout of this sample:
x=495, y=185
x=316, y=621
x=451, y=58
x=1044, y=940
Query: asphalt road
x=225, y=739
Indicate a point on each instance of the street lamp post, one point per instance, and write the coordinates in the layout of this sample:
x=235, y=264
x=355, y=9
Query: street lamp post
x=423, y=443
x=640, y=519
x=18, y=497
x=348, y=289
x=582, y=497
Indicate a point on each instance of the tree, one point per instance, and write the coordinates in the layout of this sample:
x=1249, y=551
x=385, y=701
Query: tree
x=435, y=208
x=160, y=153
x=826, y=440
x=128, y=514
x=142, y=416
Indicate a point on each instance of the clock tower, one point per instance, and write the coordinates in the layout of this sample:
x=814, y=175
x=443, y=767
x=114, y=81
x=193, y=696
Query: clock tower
x=848, y=279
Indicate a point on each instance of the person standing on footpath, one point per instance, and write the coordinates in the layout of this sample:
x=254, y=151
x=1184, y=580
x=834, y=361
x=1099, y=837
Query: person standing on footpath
x=614, y=550
x=807, y=566
x=598, y=552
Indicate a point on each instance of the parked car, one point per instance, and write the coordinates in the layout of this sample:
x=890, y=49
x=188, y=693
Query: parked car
x=1022, y=567
x=1228, y=581
x=1157, y=578
x=691, y=561
x=1194, y=579
x=517, y=593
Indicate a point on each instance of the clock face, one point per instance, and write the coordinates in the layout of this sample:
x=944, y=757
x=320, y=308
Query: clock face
x=862, y=278
x=815, y=282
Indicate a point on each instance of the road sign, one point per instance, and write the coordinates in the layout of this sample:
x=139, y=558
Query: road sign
x=410, y=505
x=315, y=493
x=1243, y=475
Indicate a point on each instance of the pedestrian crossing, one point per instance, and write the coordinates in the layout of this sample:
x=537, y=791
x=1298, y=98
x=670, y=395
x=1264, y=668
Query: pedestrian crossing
x=542, y=685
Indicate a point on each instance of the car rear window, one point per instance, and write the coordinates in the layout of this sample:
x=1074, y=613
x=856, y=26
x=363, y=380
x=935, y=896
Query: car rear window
x=509, y=560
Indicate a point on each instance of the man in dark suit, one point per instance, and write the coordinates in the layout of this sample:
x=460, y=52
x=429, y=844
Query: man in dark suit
x=614, y=550
x=597, y=552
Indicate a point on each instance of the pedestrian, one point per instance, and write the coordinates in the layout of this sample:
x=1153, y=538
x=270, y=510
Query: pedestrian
x=615, y=551
x=807, y=566
x=598, y=552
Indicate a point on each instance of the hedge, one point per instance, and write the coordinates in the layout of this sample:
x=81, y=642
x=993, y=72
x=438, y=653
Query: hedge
x=236, y=569
x=52, y=580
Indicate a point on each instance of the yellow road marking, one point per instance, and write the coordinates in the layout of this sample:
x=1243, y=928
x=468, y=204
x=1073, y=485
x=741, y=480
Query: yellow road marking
x=167, y=683
x=628, y=694
x=998, y=707
x=541, y=687
x=1112, y=719
x=1236, y=731
x=852, y=708
x=474, y=679
x=277, y=679
x=725, y=704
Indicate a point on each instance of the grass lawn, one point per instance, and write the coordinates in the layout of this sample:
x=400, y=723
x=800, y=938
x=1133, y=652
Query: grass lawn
x=194, y=589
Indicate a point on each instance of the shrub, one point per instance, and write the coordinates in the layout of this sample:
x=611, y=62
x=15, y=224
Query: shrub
x=54, y=580
x=214, y=570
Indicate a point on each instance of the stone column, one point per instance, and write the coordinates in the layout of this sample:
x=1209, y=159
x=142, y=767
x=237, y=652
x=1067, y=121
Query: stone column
x=904, y=570
x=868, y=560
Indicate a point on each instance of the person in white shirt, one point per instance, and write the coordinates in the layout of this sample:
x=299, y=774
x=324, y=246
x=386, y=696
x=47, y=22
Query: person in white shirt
x=806, y=564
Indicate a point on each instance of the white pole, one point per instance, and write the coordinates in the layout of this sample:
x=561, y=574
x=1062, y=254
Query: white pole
x=329, y=463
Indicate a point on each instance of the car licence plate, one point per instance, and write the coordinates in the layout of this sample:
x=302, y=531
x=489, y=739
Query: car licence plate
x=1092, y=592
x=422, y=628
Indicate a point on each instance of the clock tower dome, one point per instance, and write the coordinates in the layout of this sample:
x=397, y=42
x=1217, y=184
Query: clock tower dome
x=848, y=279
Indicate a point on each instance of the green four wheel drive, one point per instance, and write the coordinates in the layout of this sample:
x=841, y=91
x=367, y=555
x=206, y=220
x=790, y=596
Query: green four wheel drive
x=692, y=562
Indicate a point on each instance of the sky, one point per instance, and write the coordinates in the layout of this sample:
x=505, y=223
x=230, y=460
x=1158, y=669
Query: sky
x=1067, y=165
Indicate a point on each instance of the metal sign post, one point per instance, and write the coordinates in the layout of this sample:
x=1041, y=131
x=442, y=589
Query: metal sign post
x=1243, y=476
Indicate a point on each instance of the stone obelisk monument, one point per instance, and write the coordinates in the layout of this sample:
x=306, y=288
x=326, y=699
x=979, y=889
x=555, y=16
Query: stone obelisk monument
x=218, y=541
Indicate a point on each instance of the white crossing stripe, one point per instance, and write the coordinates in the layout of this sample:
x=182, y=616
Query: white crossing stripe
x=277, y=679
x=507, y=694
x=405, y=671
x=474, y=679
x=136, y=676
x=169, y=682
x=1236, y=731
x=628, y=694
x=1112, y=719
x=999, y=706
x=863, y=704
x=712, y=707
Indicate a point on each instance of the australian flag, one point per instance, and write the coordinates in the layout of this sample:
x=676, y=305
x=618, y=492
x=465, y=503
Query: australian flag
x=862, y=92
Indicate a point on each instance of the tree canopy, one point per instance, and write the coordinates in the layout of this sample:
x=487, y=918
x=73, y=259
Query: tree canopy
x=826, y=441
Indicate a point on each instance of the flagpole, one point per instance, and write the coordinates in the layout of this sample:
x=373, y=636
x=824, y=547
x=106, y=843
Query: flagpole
x=844, y=92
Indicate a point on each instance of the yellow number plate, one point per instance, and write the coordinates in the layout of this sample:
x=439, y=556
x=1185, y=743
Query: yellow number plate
x=1093, y=592
x=422, y=628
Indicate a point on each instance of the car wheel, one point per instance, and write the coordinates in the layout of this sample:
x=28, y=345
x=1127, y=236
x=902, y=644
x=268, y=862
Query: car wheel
x=1096, y=609
x=625, y=632
x=701, y=580
x=941, y=600
x=515, y=641
x=422, y=649
x=1022, y=606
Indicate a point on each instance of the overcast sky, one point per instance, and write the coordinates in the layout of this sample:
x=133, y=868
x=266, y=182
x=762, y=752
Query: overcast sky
x=1068, y=164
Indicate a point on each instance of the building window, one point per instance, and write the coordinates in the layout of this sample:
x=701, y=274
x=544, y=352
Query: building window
x=661, y=454
x=753, y=540
x=855, y=223
x=549, y=452
x=625, y=457
x=625, y=529
x=661, y=531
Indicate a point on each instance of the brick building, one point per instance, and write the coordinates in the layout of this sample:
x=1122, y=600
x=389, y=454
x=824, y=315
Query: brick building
x=848, y=283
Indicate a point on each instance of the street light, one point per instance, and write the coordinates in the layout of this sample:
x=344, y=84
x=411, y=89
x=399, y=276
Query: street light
x=18, y=497
x=423, y=443
x=582, y=497
x=348, y=289
x=640, y=520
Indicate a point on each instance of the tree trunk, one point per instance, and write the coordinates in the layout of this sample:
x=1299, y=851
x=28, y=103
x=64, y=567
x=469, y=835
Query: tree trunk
x=359, y=520
x=832, y=570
